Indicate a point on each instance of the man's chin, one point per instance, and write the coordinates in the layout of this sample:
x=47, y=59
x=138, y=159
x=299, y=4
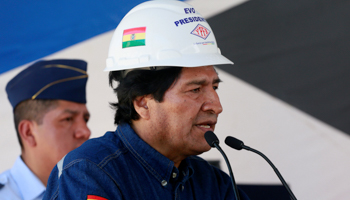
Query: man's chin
x=202, y=150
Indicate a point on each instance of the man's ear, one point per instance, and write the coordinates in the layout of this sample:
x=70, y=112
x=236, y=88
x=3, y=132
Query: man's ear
x=140, y=105
x=25, y=129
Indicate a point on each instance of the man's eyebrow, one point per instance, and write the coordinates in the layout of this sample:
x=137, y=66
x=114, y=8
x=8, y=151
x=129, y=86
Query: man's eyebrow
x=70, y=111
x=218, y=80
x=196, y=82
x=202, y=82
x=74, y=112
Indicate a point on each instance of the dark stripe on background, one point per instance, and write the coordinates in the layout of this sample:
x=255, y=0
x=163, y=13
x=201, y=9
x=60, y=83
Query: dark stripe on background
x=298, y=51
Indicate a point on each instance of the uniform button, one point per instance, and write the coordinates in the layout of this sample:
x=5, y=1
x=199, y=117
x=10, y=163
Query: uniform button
x=174, y=175
x=164, y=183
x=183, y=187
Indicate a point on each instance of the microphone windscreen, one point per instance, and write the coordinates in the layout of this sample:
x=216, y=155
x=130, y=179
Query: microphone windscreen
x=234, y=143
x=211, y=138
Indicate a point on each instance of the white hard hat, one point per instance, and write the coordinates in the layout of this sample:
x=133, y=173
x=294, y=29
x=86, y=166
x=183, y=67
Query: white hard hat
x=163, y=33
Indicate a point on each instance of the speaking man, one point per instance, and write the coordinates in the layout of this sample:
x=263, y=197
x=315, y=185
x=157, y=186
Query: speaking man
x=162, y=56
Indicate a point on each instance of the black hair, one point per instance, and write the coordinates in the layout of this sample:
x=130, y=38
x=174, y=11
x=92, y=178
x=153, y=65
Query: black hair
x=139, y=83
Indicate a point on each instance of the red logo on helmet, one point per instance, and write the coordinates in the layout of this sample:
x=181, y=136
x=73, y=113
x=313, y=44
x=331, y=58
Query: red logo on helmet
x=201, y=31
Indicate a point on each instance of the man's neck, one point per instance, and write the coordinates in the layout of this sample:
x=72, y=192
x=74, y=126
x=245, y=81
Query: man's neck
x=37, y=166
x=150, y=137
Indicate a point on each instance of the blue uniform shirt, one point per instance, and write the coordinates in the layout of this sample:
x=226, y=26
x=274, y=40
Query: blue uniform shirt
x=20, y=183
x=120, y=165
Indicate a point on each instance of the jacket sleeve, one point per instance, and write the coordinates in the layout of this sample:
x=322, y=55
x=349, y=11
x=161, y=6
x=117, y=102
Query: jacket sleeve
x=81, y=179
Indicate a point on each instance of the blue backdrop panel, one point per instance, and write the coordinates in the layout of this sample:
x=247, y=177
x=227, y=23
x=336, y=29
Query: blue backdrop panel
x=34, y=29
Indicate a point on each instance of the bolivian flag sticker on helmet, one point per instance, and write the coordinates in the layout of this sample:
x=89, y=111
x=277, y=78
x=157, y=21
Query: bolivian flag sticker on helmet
x=94, y=197
x=134, y=37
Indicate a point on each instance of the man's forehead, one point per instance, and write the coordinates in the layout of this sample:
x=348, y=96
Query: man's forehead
x=70, y=106
x=199, y=73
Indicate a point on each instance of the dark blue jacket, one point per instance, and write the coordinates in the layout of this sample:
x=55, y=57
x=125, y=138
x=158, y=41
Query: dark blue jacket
x=120, y=165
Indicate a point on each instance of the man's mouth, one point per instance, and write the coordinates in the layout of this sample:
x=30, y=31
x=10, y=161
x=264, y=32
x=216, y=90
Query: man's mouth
x=204, y=126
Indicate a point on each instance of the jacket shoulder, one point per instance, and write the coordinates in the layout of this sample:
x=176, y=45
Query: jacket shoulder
x=96, y=150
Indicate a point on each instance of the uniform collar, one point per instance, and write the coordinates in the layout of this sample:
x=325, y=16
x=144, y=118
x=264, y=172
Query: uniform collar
x=157, y=164
x=28, y=184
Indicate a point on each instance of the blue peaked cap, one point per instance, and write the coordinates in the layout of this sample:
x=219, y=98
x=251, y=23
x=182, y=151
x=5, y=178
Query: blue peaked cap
x=60, y=79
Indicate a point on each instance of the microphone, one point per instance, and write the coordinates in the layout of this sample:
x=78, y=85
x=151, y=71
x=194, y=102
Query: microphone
x=238, y=145
x=213, y=141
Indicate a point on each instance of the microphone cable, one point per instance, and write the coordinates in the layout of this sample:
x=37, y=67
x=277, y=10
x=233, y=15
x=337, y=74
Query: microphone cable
x=213, y=141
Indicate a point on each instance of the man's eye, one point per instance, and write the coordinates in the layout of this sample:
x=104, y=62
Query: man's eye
x=215, y=87
x=68, y=119
x=196, y=90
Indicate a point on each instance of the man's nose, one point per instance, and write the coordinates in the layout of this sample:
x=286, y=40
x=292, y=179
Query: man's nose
x=212, y=103
x=82, y=131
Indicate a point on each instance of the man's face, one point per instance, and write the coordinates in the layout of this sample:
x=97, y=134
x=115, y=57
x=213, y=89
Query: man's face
x=63, y=129
x=189, y=109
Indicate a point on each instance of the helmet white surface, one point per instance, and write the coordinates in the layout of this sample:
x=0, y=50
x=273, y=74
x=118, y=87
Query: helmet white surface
x=163, y=33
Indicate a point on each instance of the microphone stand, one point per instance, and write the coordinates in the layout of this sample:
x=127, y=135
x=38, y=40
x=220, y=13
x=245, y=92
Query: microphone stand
x=213, y=141
x=235, y=189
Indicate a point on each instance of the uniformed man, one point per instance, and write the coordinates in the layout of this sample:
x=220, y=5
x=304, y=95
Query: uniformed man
x=50, y=115
x=162, y=54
